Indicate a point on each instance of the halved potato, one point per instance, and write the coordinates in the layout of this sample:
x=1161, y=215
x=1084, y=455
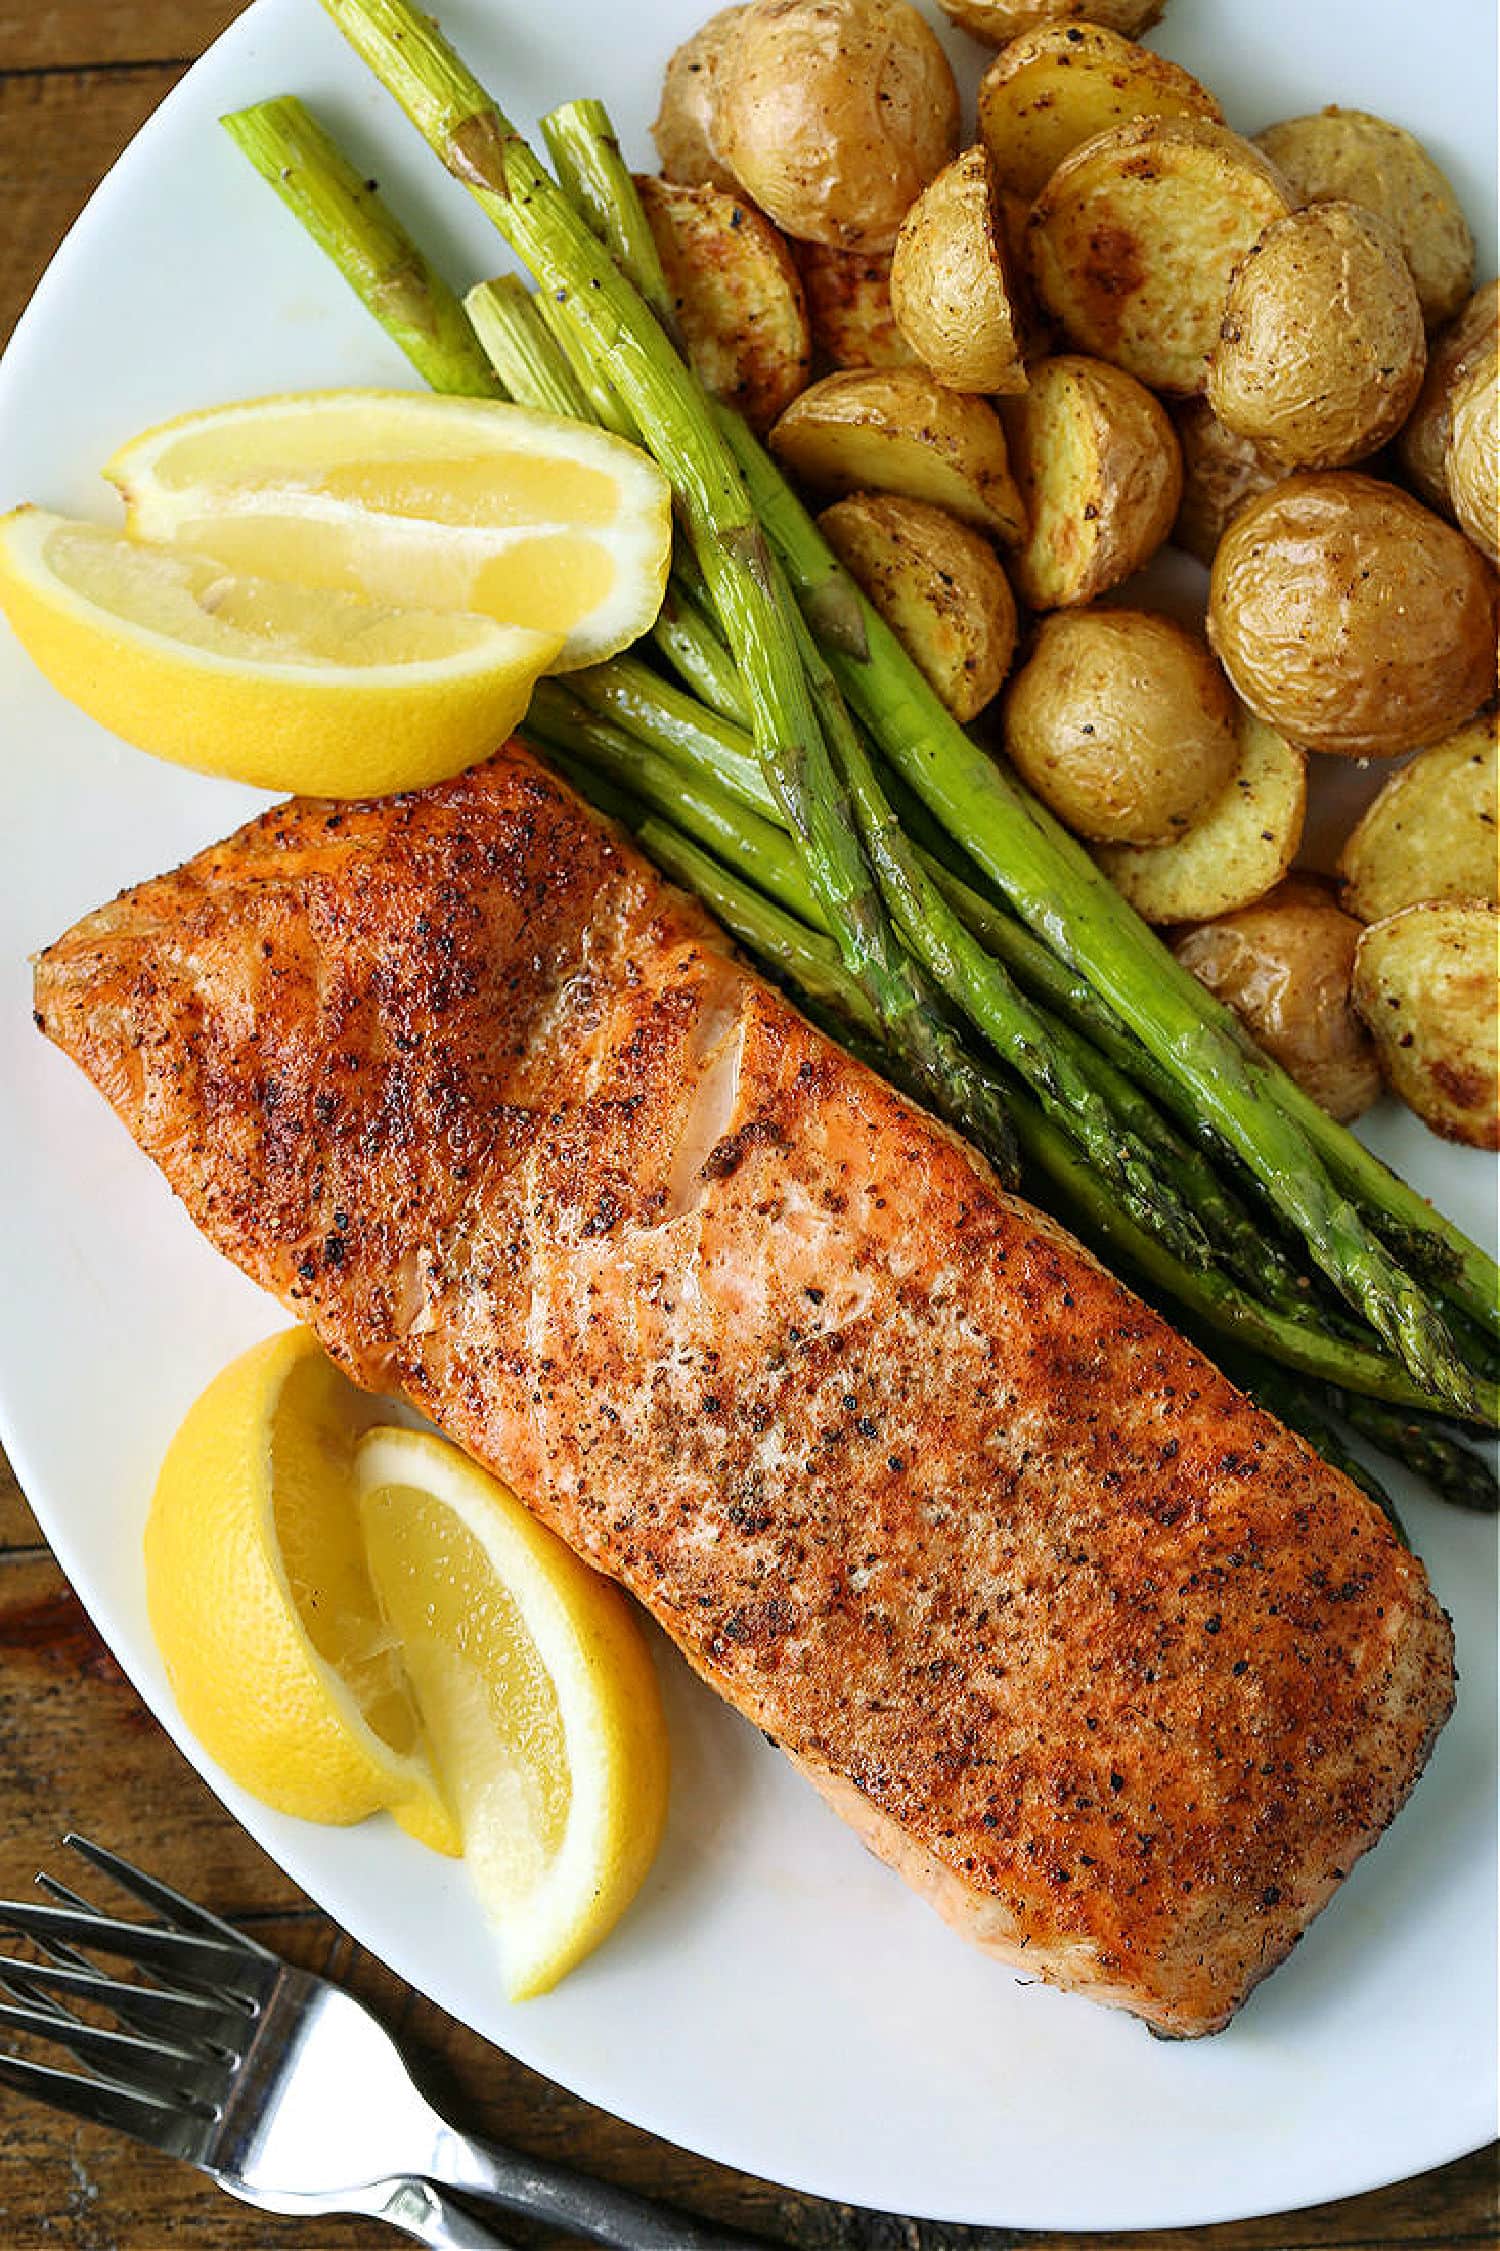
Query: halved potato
x=938, y=585
x=1121, y=721
x=951, y=290
x=1038, y=336
x=1427, y=982
x=1423, y=444
x=684, y=128
x=834, y=114
x=1220, y=472
x=898, y=430
x=1061, y=84
x=1100, y=476
x=737, y=293
x=1321, y=349
x=1431, y=833
x=1350, y=617
x=1472, y=461
x=996, y=21
x=1348, y=156
x=1285, y=967
x=848, y=296
x=1135, y=237
x=1235, y=851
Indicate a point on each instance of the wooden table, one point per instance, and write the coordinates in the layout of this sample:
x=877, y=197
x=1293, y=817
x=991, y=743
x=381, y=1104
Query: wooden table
x=77, y=77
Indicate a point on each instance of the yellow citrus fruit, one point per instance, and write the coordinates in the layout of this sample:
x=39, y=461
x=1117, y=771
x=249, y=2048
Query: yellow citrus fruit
x=537, y=1691
x=456, y=504
x=278, y=1653
x=323, y=693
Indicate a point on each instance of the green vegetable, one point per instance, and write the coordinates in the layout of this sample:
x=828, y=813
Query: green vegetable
x=345, y=217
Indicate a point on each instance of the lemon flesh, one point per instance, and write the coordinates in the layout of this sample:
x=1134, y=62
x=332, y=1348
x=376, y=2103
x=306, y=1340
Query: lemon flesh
x=319, y=692
x=278, y=1653
x=537, y=1693
x=456, y=504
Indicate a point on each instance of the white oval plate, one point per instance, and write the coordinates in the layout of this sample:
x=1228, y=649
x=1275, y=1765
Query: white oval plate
x=776, y=2000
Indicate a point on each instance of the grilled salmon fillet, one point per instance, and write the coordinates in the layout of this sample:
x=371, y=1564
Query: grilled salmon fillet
x=1107, y=1663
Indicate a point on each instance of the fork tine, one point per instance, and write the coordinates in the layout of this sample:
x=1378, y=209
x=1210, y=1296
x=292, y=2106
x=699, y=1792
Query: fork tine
x=18, y=1979
x=146, y=2066
x=181, y=1954
x=146, y=2118
x=54, y=1948
x=188, y=2019
x=184, y=1914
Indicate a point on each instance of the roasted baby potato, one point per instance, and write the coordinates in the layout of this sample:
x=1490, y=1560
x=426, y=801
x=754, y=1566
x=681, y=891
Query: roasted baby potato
x=1350, y=617
x=1220, y=472
x=1285, y=967
x=1100, y=477
x=737, y=294
x=1237, y=848
x=1054, y=87
x=848, y=296
x=1122, y=723
x=1347, y=156
x=833, y=115
x=1423, y=444
x=951, y=291
x=684, y=128
x=1136, y=234
x=996, y=21
x=938, y=586
x=1321, y=348
x=1427, y=982
x=896, y=429
x=1472, y=461
x=1431, y=833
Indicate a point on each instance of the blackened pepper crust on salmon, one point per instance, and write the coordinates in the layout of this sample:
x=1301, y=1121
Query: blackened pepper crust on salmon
x=1104, y=1660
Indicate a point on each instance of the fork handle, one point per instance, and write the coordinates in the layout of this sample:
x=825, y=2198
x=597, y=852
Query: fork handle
x=595, y=2210
x=422, y=2209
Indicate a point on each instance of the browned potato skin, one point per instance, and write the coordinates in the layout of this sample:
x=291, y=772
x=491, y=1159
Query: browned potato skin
x=1100, y=476
x=951, y=290
x=939, y=587
x=898, y=430
x=834, y=114
x=1472, y=460
x=996, y=21
x=1135, y=236
x=848, y=296
x=1285, y=966
x=684, y=128
x=1348, y=156
x=1059, y=85
x=1432, y=831
x=1423, y=444
x=1425, y=981
x=1310, y=390
x=1350, y=618
x=1122, y=723
x=737, y=294
x=1220, y=472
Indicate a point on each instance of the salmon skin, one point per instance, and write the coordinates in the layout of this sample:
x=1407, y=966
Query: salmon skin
x=1106, y=1662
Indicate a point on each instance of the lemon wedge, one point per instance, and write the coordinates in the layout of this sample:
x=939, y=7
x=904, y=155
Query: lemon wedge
x=456, y=504
x=537, y=1691
x=321, y=693
x=280, y=1657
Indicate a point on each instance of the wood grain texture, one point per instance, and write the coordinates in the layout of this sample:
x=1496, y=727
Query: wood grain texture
x=77, y=77
x=59, y=134
x=62, y=35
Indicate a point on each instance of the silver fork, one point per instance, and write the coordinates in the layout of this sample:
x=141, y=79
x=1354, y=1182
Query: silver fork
x=280, y=2086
